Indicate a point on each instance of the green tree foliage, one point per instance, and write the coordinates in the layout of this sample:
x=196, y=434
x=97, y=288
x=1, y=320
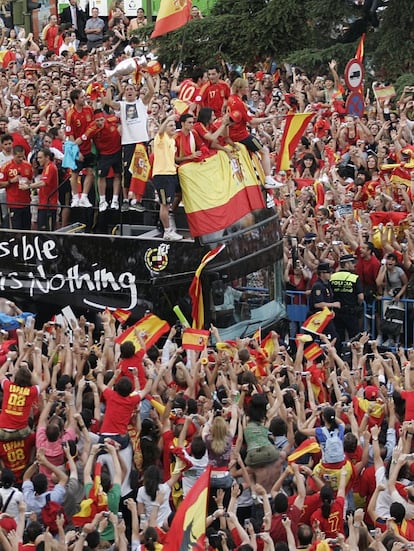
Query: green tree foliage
x=304, y=33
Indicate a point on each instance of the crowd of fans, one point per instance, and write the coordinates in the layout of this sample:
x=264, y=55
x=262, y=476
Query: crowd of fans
x=305, y=453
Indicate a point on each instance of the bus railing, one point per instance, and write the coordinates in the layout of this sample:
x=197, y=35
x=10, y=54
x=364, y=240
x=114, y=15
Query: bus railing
x=297, y=307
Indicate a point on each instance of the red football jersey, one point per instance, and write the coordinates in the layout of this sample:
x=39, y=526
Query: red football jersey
x=15, y=455
x=13, y=193
x=108, y=138
x=51, y=178
x=238, y=129
x=214, y=96
x=77, y=123
x=17, y=403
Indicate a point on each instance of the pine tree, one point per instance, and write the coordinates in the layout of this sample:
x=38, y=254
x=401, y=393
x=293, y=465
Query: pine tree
x=304, y=33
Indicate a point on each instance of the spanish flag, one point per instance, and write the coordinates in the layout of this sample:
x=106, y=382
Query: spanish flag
x=140, y=168
x=172, y=15
x=188, y=529
x=96, y=501
x=151, y=325
x=268, y=345
x=196, y=289
x=258, y=336
x=360, y=51
x=401, y=175
x=121, y=315
x=317, y=322
x=95, y=90
x=6, y=56
x=217, y=193
x=195, y=339
x=295, y=126
x=310, y=445
x=383, y=217
x=312, y=352
x=376, y=415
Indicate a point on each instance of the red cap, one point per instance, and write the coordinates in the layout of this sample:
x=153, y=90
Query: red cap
x=371, y=392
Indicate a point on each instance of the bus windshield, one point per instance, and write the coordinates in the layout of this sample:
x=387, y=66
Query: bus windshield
x=240, y=306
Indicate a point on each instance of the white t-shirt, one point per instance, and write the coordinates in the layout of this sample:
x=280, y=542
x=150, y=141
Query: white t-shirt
x=163, y=511
x=13, y=505
x=191, y=475
x=134, y=118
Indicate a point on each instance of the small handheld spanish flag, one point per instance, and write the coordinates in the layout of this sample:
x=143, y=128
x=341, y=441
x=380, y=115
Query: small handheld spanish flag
x=317, y=322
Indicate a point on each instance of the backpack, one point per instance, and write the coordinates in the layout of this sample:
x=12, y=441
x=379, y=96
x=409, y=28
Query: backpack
x=333, y=451
x=49, y=514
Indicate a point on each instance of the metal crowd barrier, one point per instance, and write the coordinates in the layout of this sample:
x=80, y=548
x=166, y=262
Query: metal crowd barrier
x=297, y=307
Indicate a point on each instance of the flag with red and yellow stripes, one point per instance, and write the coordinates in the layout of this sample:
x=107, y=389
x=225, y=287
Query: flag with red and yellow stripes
x=6, y=56
x=196, y=289
x=151, y=327
x=310, y=445
x=217, y=193
x=188, y=529
x=172, y=15
x=317, y=322
x=195, y=339
x=295, y=126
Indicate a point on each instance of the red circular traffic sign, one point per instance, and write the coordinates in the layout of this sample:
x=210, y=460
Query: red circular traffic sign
x=354, y=74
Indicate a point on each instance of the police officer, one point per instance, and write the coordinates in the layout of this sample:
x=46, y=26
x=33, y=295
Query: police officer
x=347, y=289
x=322, y=297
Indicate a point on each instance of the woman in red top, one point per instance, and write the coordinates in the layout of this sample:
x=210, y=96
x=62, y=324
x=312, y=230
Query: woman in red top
x=213, y=137
x=330, y=515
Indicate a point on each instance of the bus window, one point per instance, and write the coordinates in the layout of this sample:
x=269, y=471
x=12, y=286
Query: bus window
x=239, y=307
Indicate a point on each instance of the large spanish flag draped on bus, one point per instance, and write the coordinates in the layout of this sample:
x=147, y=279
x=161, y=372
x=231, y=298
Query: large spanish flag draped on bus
x=188, y=529
x=217, y=192
x=295, y=126
x=172, y=15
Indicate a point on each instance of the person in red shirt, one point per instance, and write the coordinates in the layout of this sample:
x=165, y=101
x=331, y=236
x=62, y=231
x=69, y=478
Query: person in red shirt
x=16, y=455
x=47, y=184
x=131, y=360
x=107, y=139
x=78, y=119
x=189, y=146
x=190, y=92
x=330, y=515
x=215, y=92
x=120, y=404
x=50, y=35
x=16, y=176
x=281, y=508
x=19, y=396
x=238, y=132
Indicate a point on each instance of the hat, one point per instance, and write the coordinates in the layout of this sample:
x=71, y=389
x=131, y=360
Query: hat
x=371, y=392
x=347, y=258
x=324, y=267
x=8, y=523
